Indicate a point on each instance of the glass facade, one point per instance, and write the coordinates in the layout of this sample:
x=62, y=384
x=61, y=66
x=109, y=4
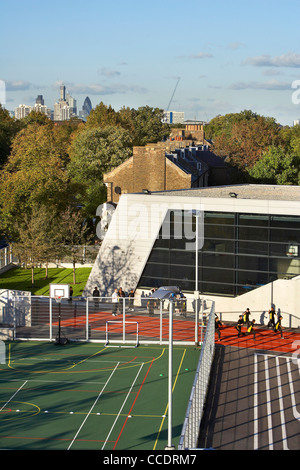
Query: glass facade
x=240, y=252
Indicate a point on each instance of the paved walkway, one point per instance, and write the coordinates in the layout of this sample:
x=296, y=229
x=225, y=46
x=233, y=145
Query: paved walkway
x=254, y=395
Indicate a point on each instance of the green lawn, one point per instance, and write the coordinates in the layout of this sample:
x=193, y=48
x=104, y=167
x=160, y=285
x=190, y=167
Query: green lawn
x=20, y=279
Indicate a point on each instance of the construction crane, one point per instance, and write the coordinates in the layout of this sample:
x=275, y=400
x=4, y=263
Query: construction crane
x=173, y=94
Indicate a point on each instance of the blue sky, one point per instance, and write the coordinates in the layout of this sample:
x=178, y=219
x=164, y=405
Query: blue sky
x=230, y=55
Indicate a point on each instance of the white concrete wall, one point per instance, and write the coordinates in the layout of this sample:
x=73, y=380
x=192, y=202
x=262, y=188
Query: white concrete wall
x=135, y=226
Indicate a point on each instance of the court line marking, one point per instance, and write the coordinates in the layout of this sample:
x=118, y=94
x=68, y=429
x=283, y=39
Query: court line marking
x=269, y=409
x=20, y=388
x=132, y=405
x=294, y=406
x=166, y=410
x=283, y=429
x=120, y=411
x=255, y=403
x=82, y=424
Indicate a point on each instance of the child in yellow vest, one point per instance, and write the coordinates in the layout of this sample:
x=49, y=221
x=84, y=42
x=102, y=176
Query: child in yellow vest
x=250, y=329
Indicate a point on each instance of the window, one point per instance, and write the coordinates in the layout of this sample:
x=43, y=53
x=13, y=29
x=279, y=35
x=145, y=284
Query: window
x=240, y=252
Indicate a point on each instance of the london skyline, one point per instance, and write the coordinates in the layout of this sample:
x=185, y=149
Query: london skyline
x=218, y=57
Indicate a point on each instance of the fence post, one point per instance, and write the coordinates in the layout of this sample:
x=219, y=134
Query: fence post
x=160, y=320
x=87, y=319
x=50, y=319
x=123, y=311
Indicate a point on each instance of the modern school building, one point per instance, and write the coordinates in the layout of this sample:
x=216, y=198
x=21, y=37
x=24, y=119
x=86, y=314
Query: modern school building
x=238, y=245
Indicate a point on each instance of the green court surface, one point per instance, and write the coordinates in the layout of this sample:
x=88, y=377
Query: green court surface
x=85, y=396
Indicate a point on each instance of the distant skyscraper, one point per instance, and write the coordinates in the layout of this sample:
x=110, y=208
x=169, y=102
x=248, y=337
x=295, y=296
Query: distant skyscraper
x=40, y=100
x=22, y=111
x=86, y=108
x=62, y=93
x=66, y=106
x=87, y=105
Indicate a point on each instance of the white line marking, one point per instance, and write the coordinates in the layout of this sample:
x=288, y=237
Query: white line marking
x=117, y=417
x=283, y=430
x=255, y=397
x=82, y=424
x=294, y=406
x=269, y=411
x=14, y=395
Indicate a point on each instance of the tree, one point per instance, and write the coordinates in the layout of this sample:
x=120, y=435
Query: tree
x=9, y=127
x=148, y=126
x=277, y=167
x=35, y=242
x=102, y=116
x=94, y=152
x=243, y=137
x=73, y=234
x=33, y=174
x=145, y=123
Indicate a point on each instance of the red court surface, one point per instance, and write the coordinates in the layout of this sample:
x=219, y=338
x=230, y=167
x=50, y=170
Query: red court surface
x=183, y=329
x=265, y=339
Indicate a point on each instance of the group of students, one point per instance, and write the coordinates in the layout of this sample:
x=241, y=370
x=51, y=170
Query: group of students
x=117, y=305
x=244, y=320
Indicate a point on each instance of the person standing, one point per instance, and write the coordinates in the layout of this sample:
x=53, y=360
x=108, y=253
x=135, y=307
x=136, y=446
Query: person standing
x=239, y=325
x=217, y=327
x=271, y=323
x=121, y=295
x=131, y=300
x=278, y=327
x=251, y=329
x=71, y=294
x=96, y=295
x=115, y=300
x=246, y=317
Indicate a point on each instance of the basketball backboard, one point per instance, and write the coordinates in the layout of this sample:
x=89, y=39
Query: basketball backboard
x=59, y=290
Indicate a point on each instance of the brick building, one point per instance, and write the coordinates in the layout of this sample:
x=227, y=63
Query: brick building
x=183, y=162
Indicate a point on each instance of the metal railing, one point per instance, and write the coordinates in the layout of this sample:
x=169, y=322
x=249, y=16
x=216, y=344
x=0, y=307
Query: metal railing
x=190, y=430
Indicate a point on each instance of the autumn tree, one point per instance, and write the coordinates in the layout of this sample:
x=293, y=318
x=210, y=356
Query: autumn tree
x=34, y=173
x=9, y=127
x=243, y=138
x=144, y=124
x=93, y=152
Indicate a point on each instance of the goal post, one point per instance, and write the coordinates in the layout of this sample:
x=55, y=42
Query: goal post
x=124, y=329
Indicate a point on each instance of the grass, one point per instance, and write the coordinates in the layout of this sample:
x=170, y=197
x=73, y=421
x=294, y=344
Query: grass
x=20, y=279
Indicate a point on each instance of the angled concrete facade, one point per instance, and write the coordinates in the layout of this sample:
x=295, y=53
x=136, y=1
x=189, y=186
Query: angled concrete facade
x=134, y=230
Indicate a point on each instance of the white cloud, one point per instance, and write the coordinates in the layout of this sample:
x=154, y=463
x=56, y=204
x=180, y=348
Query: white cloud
x=110, y=73
x=98, y=89
x=236, y=45
x=269, y=85
x=201, y=55
x=290, y=59
x=18, y=85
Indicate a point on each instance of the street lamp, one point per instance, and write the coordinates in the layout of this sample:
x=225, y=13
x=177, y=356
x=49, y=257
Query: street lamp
x=168, y=293
x=196, y=214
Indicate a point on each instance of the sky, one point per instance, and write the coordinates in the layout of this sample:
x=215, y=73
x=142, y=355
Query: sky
x=216, y=56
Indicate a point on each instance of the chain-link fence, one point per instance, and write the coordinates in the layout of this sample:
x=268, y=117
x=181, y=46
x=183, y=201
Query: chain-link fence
x=191, y=426
x=127, y=322
x=142, y=320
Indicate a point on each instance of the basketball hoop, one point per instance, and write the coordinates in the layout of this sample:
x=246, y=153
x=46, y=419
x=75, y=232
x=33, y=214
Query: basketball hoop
x=59, y=339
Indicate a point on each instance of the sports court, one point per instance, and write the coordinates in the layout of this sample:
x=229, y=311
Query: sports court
x=85, y=396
